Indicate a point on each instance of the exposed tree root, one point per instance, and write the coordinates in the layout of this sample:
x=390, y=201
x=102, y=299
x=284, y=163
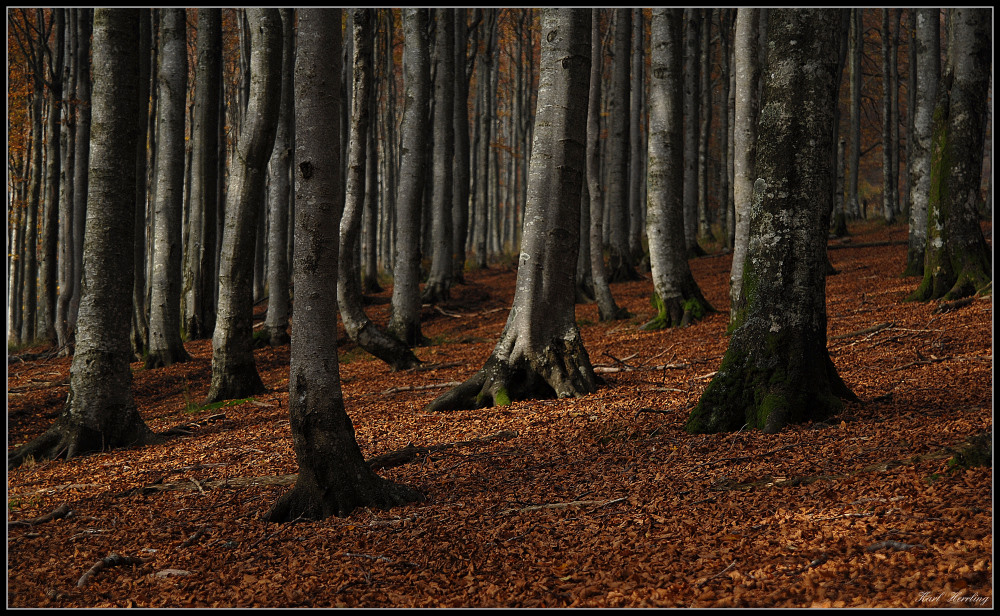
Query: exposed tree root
x=66, y=439
x=62, y=511
x=111, y=560
x=309, y=500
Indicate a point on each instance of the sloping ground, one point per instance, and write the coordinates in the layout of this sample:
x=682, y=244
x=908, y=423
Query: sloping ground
x=598, y=501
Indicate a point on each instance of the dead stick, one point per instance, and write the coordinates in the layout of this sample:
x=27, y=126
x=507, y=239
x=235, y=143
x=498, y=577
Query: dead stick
x=111, y=560
x=61, y=511
x=395, y=390
x=862, y=332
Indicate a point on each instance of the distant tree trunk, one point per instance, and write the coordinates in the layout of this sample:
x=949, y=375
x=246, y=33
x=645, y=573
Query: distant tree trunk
x=777, y=369
x=637, y=143
x=748, y=70
x=47, y=273
x=140, y=318
x=911, y=104
x=460, y=190
x=333, y=477
x=405, y=321
x=705, y=130
x=928, y=70
x=276, y=322
x=888, y=172
x=438, y=287
x=958, y=261
x=357, y=324
x=692, y=65
x=606, y=306
x=66, y=184
x=838, y=217
x=893, y=85
x=856, y=49
x=100, y=411
x=234, y=374
x=725, y=21
x=165, y=346
x=199, y=258
x=676, y=295
x=540, y=351
x=30, y=302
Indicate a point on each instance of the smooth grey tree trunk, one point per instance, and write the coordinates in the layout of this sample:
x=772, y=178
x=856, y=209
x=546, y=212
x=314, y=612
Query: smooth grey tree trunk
x=66, y=185
x=144, y=148
x=854, y=166
x=958, y=262
x=100, y=411
x=676, y=295
x=540, y=351
x=276, y=322
x=165, y=346
x=725, y=132
x=356, y=323
x=692, y=119
x=199, y=274
x=748, y=70
x=333, y=477
x=405, y=321
x=47, y=272
x=928, y=72
x=460, y=181
x=82, y=157
x=888, y=172
x=438, y=286
x=705, y=129
x=777, y=370
x=637, y=141
x=234, y=373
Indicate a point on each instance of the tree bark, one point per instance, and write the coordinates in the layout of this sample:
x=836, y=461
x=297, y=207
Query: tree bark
x=165, y=345
x=692, y=119
x=81, y=158
x=705, y=129
x=777, y=370
x=100, y=411
x=144, y=148
x=66, y=186
x=676, y=295
x=333, y=478
x=854, y=167
x=234, y=374
x=405, y=321
x=540, y=351
x=888, y=172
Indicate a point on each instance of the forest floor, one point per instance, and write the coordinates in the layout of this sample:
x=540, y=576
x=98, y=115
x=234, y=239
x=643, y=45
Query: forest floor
x=597, y=501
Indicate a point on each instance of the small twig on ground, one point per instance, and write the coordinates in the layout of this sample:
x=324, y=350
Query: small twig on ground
x=654, y=410
x=621, y=362
x=410, y=452
x=395, y=390
x=111, y=560
x=423, y=367
x=630, y=369
x=706, y=580
x=742, y=458
x=955, y=305
x=861, y=332
x=61, y=511
x=196, y=536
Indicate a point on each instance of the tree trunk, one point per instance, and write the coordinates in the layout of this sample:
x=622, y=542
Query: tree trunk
x=405, y=321
x=540, y=351
x=66, y=186
x=676, y=295
x=777, y=370
x=357, y=324
x=460, y=187
x=276, y=322
x=100, y=411
x=854, y=168
x=888, y=172
x=704, y=132
x=145, y=144
x=82, y=157
x=748, y=70
x=958, y=261
x=234, y=374
x=30, y=321
x=165, y=346
x=725, y=132
x=333, y=477
x=928, y=70
x=637, y=143
x=607, y=309
x=438, y=287
x=47, y=273
x=692, y=65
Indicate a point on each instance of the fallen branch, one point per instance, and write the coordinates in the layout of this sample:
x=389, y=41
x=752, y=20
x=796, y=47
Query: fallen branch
x=637, y=368
x=111, y=560
x=396, y=390
x=955, y=305
x=706, y=580
x=61, y=511
x=423, y=367
x=410, y=452
x=579, y=503
x=861, y=332
x=185, y=428
x=892, y=545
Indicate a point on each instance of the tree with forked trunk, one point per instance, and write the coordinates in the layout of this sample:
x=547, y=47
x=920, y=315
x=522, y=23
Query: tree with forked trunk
x=333, y=477
x=540, y=352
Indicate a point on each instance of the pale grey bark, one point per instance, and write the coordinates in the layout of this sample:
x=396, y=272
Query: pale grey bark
x=165, y=346
x=438, y=286
x=100, y=411
x=620, y=266
x=279, y=170
x=748, y=70
x=47, y=272
x=405, y=321
x=637, y=140
x=888, y=86
x=333, y=478
x=607, y=309
x=725, y=132
x=356, y=323
x=854, y=166
x=199, y=264
x=540, y=351
x=147, y=86
x=234, y=373
x=82, y=157
x=66, y=185
x=692, y=119
x=777, y=370
x=928, y=72
x=675, y=293
x=460, y=184
x=704, y=131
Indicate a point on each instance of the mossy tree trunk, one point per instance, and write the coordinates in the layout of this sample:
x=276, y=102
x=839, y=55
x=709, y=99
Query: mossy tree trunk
x=357, y=324
x=333, y=477
x=676, y=295
x=540, y=352
x=958, y=262
x=234, y=373
x=777, y=370
x=100, y=410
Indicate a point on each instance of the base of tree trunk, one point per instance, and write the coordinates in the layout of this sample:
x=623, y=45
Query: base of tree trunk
x=914, y=263
x=385, y=347
x=65, y=440
x=561, y=370
x=840, y=225
x=272, y=336
x=161, y=358
x=584, y=293
x=941, y=283
x=307, y=500
x=677, y=311
x=436, y=292
x=237, y=382
x=695, y=251
x=621, y=269
x=370, y=285
x=789, y=384
x=408, y=333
